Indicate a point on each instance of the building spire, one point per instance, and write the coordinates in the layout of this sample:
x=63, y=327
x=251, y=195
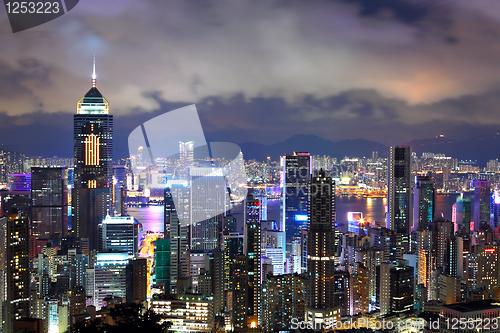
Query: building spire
x=93, y=74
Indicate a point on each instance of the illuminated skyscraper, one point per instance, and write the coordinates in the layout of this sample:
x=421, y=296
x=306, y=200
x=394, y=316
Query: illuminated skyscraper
x=252, y=249
x=481, y=204
x=120, y=233
x=495, y=209
x=93, y=154
x=320, y=292
x=424, y=204
x=209, y=196
x=18, y=268
x=49, y=212
x=295, y=175
x=178, y=233
x=399, y=189
x=461, y=214
x=186, y=152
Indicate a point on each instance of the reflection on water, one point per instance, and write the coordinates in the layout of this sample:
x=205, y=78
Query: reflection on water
x=373, y=209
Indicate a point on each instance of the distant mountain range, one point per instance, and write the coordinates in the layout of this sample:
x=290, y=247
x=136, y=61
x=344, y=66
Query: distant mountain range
x=480, y=149
x=312, y=144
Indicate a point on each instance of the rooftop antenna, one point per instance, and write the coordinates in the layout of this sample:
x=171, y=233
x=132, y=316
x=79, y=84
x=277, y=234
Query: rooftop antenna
x=93, y=73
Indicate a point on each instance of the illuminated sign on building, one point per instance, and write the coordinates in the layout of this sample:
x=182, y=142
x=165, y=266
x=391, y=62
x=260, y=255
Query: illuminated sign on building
x=92, y=150
x=300, y=217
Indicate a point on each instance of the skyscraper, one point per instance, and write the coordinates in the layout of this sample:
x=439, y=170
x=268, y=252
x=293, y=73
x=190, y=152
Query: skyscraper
x=481, y=204
x=178, y=233
x=120, y=233
x=209, y=196
x=320, y=287
x=424, y=204
x=296, y=171
x=93, y=154
x=252, y=248
x=186, y=152
x=18, y=268
x=461, y=214
x=399, y=187
x=49, y=212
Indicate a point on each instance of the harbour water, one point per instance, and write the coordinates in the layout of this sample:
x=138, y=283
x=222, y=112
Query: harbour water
x=373, y=209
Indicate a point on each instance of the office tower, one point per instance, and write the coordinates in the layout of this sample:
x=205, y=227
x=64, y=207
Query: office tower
x=209, y=197
x=18, y=268
x=392, y=243
x=272, y=242
x=296, y=171
x=283, y=301
x=233, y=246
x=252, y=249
x=374, y=155
x=49, y=212
x=424, y=202
x=120, y=233
x=454, y=256
x=262, y=197
x=119, y=194
x=162, y=262
x=180, y=236
x=399, y=189
x=441, y=230
x=495, y=209
x=320, y=288
x=240, y=295
x=396, y=288
x=110, y=277
x=139, y=280
x=186, y=153
x=19, y=182
x=461, y=214
x=481, y=204
x=93, y=171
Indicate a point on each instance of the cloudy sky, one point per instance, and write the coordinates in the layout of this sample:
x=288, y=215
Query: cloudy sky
x=389, y=71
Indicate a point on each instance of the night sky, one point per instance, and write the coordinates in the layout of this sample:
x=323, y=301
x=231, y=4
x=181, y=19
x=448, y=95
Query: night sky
x=388, y=71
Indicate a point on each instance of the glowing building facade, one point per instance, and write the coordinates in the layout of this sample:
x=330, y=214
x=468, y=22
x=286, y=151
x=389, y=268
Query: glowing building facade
x=93, y=169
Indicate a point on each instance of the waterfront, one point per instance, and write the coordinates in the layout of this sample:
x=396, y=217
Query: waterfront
x=373, y=209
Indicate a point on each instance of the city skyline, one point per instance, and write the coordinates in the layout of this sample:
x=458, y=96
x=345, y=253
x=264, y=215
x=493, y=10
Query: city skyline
x=385, y=71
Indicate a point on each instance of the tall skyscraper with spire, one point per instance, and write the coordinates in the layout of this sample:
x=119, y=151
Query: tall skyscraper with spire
x=93, y=155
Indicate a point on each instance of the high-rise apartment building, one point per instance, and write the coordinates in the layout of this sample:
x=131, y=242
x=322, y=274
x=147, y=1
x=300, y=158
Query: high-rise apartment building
x=18, y=268
x=93, y=169
x=252, y=250
x=399, y=189
x=320, y=288
x=396, y=288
